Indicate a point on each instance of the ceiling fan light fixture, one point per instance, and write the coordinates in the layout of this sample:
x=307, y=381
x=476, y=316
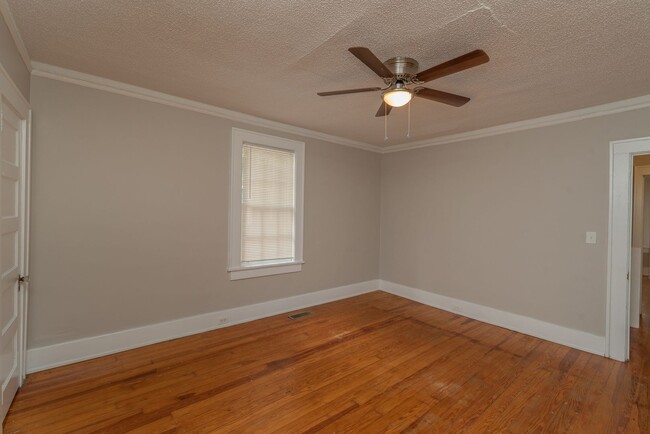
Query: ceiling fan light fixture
x=398, y=72
x=398, y=96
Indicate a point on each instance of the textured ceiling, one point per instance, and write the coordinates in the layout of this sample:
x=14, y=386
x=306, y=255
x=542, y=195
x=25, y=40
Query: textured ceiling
x=269, y=58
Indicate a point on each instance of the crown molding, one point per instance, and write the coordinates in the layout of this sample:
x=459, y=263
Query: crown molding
x=92, y=81
x=5, y=11
x=560, y=118
x=95, y=82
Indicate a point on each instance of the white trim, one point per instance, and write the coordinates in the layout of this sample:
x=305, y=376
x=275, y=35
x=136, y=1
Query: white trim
x=268, y=270
x=235, y=268
x=5, y=11
x=94, y=82
x=23, y=262
x=25, y=211
x=13, y=94
x=78, y=350
x=278, y=264
x=560, y=118
x=551, y=332
x=617, y=338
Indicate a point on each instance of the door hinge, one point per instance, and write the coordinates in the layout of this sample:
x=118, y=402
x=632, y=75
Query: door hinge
x=628, y=275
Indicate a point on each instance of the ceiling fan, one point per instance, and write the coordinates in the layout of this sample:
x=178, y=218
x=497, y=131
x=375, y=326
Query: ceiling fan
x=400, y=72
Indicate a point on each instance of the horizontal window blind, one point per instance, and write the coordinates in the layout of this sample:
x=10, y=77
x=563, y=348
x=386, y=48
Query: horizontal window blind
x=267, y=205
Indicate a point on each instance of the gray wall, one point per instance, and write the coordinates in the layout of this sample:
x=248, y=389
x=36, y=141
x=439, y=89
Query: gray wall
x=130, y=215
x=130, y=206
x=11, y=60
x=501, y=221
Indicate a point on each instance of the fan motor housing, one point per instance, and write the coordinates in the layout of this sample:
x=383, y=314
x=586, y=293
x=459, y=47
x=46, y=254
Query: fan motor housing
x=402, y=67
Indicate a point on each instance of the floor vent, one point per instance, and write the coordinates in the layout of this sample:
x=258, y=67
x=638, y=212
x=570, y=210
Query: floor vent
x=299, y=315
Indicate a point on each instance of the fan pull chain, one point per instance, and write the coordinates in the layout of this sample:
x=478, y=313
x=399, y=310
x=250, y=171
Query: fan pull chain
x=385, y=121
x=408, y=128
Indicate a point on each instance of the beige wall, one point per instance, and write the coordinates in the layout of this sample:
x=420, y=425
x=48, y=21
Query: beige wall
x=501, y=221
x=11, y=60
x=130, y=215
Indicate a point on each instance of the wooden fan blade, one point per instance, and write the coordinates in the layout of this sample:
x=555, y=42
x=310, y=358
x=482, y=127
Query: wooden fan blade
x=443, y=97
x=371, y=61
x=341, y=92
x=383, y=111
x=466, y=61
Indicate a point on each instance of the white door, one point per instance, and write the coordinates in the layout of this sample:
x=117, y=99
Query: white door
x=12, y=241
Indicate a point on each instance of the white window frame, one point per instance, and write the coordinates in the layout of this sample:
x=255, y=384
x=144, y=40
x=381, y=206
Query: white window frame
x=235, y=268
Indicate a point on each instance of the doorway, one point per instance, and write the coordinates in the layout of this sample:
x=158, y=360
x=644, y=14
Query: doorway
x=640, y=253
x=620, y=242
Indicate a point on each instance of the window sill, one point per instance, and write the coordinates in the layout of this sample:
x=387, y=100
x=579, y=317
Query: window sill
x=264, y=270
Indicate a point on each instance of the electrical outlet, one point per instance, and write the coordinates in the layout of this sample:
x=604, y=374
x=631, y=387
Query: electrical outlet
x=590, y=238
x=223, y=321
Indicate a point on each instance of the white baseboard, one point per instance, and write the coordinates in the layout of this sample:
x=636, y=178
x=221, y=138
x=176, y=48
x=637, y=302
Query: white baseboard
x=551, y=332
x=78, y=350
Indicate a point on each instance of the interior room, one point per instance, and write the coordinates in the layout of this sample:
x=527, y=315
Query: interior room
x=301, y=216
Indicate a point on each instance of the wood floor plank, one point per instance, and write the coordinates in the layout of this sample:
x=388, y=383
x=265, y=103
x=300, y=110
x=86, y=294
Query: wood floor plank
x=307, y=395
x=371, y=363
x=308, y=374
x=457, y=411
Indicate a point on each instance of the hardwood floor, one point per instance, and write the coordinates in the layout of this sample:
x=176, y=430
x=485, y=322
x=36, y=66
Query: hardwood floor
x=373, y=363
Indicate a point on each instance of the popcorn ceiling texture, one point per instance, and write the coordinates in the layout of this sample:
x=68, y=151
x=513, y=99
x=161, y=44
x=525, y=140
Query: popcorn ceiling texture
x=269, y=58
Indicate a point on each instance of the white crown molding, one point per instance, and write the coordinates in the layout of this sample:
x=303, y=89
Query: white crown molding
x=551, y=332
x=560, y=118
x=95, y=82
x=92, y=81
x=5, y=11
x=78, y=350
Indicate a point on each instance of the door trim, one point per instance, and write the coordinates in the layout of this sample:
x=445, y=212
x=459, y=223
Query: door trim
x=617, y=333
x=11, y=93
x=25, y=196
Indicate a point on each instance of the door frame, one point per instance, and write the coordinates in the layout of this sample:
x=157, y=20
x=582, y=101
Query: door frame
x=10, y=93
x=25, y=195
x=617, y=333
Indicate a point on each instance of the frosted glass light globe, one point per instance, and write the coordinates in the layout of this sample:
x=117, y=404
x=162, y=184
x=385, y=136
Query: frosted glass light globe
x=397, y=97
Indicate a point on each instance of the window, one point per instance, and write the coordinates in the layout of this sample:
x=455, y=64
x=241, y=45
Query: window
x=265, y=205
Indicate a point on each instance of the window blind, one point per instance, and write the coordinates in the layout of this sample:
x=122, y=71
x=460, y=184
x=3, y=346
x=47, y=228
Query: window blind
x=267, y=205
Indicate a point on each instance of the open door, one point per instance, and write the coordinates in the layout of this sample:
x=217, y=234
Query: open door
x=14, y=163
